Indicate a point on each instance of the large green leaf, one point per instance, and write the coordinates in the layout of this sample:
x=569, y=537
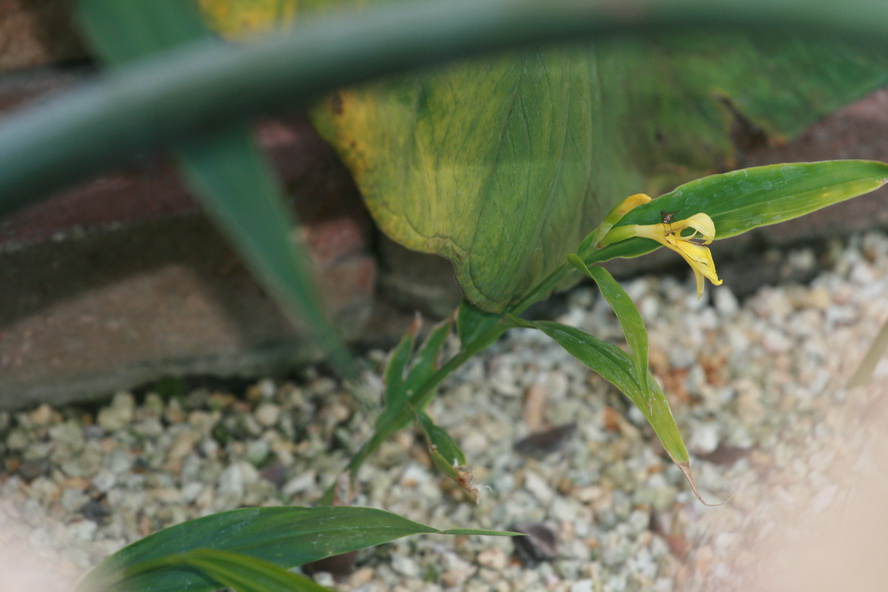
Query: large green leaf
x=224, y=167
x=285, y=536
x=503, y=165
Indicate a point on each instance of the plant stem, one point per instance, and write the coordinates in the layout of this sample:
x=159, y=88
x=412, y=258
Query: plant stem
x=422, y=396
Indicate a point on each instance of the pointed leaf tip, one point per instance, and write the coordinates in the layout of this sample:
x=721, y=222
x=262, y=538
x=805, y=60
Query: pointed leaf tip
x=689, y=475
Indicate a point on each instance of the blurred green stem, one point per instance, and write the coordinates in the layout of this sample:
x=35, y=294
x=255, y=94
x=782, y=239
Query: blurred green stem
x=419, y=399
x=159, y=102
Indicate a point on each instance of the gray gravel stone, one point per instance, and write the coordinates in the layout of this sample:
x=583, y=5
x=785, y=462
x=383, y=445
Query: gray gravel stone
x=118, y=414
x=756, y=386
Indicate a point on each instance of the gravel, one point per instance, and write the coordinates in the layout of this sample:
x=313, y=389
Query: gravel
x=756, y=386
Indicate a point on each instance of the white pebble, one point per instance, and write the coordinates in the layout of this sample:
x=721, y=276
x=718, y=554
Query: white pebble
x=405, y=565
x=704, y=438
x=118, y=414
x=493, y=558
x=725, y=302
x=268, y=414
x=538, y=486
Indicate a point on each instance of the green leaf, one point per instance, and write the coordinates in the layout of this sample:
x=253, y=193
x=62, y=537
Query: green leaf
x=241, y=192
x=237, y=571
x=425, y=363
x=627, y=314
x=615, y=366
x=224, y=167
x=396, y=370
x=742, y=200
x=285, y=536
x=123, y=32
x=439, y=439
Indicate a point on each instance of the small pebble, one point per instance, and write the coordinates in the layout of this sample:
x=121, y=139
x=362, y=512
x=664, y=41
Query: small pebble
x=405, y=565
x=494, y=558
x=118, y=414
x=268, y=414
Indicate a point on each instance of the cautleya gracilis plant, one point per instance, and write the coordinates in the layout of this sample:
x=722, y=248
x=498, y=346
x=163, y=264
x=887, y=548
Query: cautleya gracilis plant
x=686, y=220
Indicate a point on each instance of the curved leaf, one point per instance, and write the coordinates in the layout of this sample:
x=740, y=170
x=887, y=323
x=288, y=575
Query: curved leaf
x=427, y=359
x=627, y=314
x=502, y=165
x=396, y=371
x=447, y=456
x=615, y=366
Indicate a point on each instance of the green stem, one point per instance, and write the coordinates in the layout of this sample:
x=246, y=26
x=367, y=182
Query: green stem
x=422, y=396
x=541, y=290
x=160, y=102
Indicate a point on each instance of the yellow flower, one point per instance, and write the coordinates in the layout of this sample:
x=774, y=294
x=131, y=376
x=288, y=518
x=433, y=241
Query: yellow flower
x=691, y=247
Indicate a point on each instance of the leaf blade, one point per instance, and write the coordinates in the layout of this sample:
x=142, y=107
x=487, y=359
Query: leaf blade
x=447, y=456
x=425, y=363
x=627, y=314
x=615, y=366
x=759, y=196
x=394, y=375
